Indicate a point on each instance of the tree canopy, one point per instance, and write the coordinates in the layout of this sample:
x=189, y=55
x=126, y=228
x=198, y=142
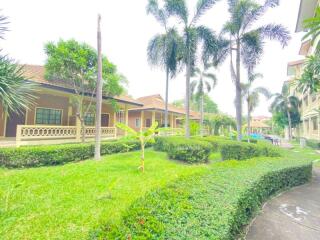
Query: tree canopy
x=209, y=105
x=75, y=64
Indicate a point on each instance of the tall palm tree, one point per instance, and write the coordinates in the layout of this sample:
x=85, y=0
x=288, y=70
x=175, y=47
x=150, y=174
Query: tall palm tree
x=193, y=35
x=247, y=41
x=204, y=83
x=164, y=49
x=252, y=96
x=287, y=103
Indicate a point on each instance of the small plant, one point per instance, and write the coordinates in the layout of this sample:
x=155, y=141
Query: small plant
x=144, y=137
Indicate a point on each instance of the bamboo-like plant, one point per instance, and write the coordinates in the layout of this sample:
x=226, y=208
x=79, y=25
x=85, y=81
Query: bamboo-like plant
x=144, y=137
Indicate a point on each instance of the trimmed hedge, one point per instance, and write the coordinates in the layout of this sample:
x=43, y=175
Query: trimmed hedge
x=190, y=151
x=216, y=204
x=216, y=142
x=179, y=148
x=36, y=156
x=313, y=143
x=241, y=151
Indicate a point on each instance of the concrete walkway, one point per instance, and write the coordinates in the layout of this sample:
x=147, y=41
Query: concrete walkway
x=294, y=215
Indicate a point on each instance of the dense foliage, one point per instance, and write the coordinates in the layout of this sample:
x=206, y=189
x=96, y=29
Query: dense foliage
x=16, y=94
x=243, y=150
x=211, y=205
x=36, y=156
x=179, y=148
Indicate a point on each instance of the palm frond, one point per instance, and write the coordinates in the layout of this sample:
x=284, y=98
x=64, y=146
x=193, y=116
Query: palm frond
x=263, y=91
x=160, y=14
x=252, y=49
x=177, y=8
x=202, y=7
x=275, y=32
x=3, y=25
x=16, y=93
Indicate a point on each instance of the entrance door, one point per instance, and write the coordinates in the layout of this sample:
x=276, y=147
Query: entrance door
x=104, y=120
x=13, y=120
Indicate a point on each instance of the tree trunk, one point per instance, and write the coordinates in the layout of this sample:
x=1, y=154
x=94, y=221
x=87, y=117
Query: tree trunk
x=167, y=99
x=97, y=153
x=248, y=120
x=201, y=116
x=238, y=93
x=187, y=100
x=142, y=158
x=289, y=127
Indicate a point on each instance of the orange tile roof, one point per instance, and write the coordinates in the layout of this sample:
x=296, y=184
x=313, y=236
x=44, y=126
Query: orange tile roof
x=156, y=102
x=36, y=73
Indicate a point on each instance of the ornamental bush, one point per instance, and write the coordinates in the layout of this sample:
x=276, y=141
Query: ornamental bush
x=36, y=156
x=215, y=204
x=188, y=150
x=313, y=143
x=240, y=150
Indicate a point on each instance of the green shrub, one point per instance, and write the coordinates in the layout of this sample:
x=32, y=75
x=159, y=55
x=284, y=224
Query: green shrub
x=313, y=144
x=216, y=142
x=188, y=150
x=215, y=204
x=241, y=151
x=35, y=156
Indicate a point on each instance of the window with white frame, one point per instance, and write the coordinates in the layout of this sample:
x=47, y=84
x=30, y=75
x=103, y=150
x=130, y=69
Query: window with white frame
x=89, y=119
x=314, y=123
x=121, y=116
x=137, y=122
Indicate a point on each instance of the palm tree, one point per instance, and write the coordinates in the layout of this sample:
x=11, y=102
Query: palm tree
x=193, y=35
x=3, y=26
x=310, y=78
x=252, y=96
x=164, y=50
x=204, y=83
x=284, y=102
x=16, y=94
x=247, y=42
x=313, y=26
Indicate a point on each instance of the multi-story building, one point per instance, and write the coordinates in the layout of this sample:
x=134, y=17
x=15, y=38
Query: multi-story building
x=309, y=103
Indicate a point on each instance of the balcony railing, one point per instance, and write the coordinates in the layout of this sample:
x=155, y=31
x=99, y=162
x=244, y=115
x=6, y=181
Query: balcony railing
x=41, y=134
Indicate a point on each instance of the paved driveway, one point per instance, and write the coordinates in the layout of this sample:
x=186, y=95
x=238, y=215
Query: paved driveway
x=294, y=215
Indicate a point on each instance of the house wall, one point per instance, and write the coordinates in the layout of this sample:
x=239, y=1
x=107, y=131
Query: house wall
x=49, y=101
x=132, y=119
x=2, y=121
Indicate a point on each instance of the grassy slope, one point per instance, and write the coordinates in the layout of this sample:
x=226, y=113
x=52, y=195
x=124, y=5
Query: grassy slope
x=66, y=202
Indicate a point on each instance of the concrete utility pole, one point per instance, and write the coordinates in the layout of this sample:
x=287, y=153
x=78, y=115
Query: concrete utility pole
x=97, y=153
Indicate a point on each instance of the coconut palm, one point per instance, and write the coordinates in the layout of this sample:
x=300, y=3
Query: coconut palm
x=193, y=35
x=164, y=50
x=287, y=103
x=204, y=83
x=252, y=96
x=247, y=41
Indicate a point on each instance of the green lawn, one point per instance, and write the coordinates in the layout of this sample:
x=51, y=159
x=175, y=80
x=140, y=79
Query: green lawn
x=66, y=202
